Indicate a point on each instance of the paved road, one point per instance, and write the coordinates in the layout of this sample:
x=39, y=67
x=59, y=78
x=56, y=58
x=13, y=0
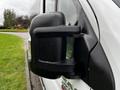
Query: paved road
x=23, y=35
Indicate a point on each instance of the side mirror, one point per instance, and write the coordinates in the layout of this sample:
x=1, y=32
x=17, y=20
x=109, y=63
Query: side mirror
x=48, y=50
x=48, y=46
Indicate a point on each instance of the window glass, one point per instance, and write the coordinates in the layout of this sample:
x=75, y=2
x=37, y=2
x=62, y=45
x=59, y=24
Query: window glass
x=68, y=8
x=50, y=5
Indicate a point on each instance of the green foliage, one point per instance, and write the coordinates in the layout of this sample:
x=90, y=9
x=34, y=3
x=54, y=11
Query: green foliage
x=9, y=18
x=12, y=63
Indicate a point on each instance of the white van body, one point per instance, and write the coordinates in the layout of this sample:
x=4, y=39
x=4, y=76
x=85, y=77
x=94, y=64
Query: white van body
x=108, y=14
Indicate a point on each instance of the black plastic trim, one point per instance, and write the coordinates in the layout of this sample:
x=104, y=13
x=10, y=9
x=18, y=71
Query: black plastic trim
x=117, y=2
x=100, y=73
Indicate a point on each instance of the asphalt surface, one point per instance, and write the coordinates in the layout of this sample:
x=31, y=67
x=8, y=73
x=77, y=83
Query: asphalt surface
x=23, y=35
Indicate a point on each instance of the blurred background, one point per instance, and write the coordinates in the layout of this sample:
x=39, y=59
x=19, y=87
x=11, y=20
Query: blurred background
x=17, y=14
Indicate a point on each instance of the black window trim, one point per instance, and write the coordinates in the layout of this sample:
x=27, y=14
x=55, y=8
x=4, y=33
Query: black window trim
x=117, y=2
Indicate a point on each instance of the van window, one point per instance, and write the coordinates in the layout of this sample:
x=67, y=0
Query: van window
x=68, y=8
x=50, y=6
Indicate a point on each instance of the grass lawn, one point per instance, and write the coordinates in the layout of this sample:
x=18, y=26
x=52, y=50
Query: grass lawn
x=12, y=63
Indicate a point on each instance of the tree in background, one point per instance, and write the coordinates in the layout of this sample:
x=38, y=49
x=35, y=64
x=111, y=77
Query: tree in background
x=9, y=18
x=22, y=22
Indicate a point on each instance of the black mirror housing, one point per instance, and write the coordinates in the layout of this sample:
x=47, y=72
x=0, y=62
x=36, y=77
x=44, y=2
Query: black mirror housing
x=48, y=46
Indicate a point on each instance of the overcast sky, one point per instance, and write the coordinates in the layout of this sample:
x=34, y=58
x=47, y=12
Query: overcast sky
x=21, y=7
